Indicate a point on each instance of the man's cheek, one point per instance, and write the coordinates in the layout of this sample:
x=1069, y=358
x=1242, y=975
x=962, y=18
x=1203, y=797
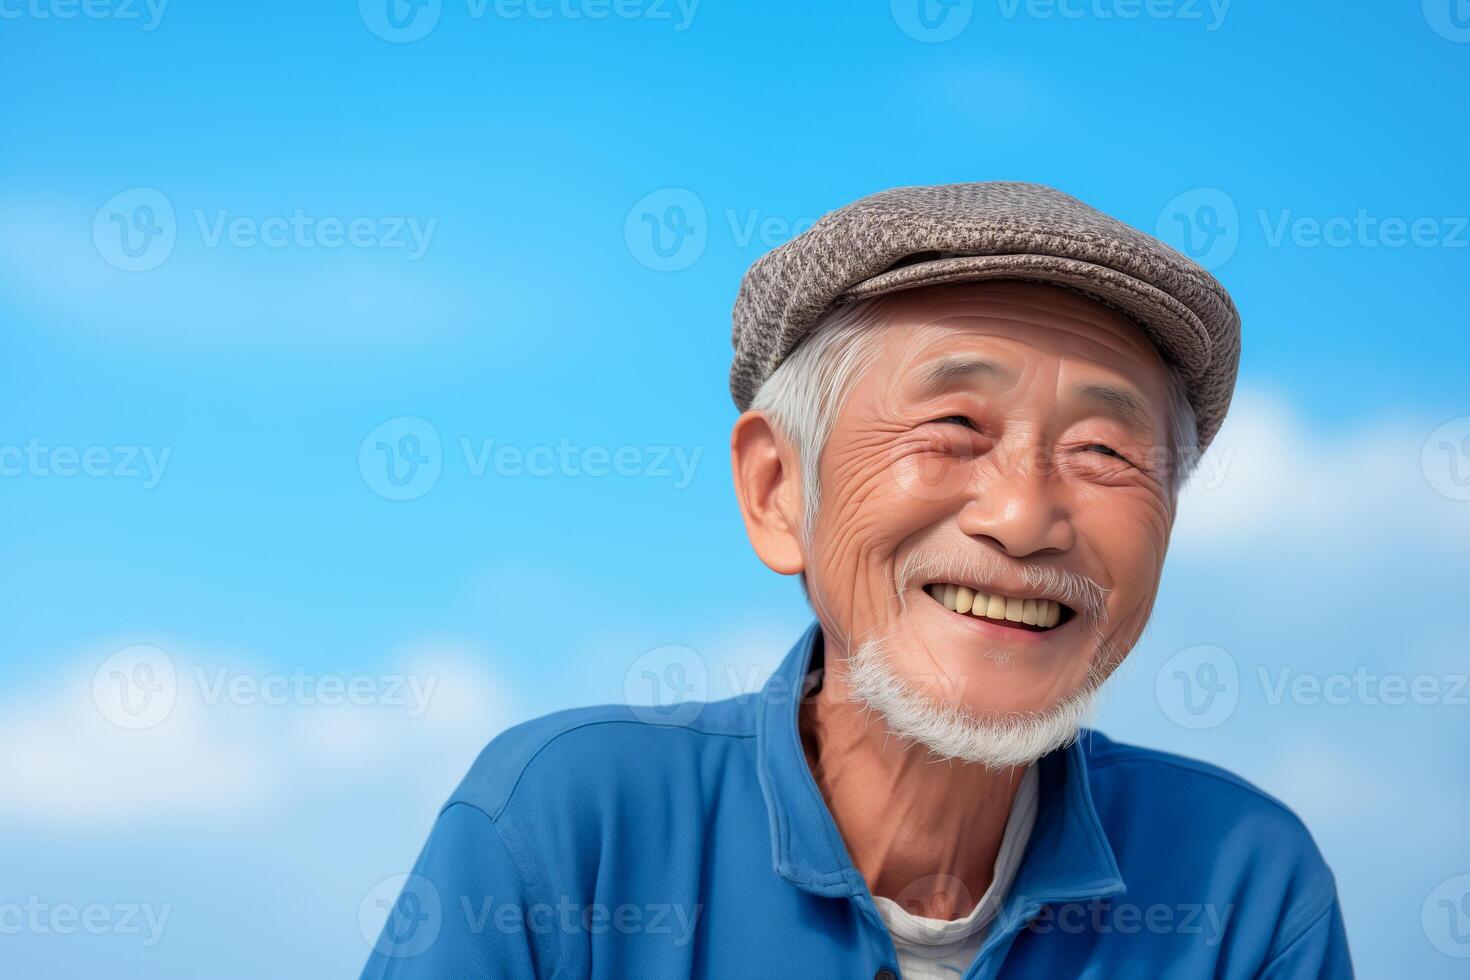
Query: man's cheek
x=1144, y=541
x=1129, y=528
x=838, y=562
x=868, y=505
x=1135, y=565
x=930, y=479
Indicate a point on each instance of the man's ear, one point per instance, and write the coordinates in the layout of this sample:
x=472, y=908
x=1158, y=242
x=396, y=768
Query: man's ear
x=768, y=487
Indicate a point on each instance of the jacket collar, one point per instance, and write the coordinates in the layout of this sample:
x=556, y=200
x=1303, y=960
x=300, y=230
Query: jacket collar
x=1068, y=857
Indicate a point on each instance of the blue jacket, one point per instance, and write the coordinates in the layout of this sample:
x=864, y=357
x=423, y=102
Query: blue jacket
x=600, y=843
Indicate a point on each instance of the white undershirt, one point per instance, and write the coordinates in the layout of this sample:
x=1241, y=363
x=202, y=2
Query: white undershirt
x=943, y=949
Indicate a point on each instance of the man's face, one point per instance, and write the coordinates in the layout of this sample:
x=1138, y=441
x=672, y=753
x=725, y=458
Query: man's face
x=1005, y=442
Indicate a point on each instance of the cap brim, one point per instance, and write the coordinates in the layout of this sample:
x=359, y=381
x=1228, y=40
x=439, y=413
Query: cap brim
x=1172, y=326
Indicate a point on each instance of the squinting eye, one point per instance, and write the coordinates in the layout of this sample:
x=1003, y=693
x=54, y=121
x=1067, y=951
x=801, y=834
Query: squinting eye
x=955, y=420
x=1098, y=447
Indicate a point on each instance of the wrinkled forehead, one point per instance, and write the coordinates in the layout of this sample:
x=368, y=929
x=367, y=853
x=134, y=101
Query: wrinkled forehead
x=1017, y=326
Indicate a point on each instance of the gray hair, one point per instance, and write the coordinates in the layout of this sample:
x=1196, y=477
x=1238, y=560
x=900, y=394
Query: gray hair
x=806, y=391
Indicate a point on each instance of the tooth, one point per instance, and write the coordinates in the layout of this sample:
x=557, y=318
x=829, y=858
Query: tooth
x=1013, y=610
x=1043, y=612
x=1028, y=612
x=1053, y=613
x=949, y=599
x=997, y=608
x=981, y=603
x=963, y=599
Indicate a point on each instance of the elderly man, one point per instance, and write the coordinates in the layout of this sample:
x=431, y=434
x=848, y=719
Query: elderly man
x=967, y=411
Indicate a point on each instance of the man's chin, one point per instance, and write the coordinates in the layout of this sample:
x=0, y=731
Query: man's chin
x=986, y=669
x=1018, y=724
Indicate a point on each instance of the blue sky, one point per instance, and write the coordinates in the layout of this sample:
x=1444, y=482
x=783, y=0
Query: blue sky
x=339, y=238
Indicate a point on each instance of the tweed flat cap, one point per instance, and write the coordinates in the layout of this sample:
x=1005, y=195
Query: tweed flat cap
x=920, y=236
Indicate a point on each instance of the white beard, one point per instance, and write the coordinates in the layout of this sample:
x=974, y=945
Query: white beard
x=952, y=732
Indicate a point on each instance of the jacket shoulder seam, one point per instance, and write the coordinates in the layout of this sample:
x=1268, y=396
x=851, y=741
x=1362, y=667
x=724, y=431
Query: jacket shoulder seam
x=530, y=875
x=498, y=807
x=1313, y=922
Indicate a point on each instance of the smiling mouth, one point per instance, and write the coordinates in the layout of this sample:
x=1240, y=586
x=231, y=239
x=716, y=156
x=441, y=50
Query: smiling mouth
x=1036, y=615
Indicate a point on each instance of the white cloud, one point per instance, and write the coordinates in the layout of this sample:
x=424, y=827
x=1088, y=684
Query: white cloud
x=241, y=740
x=69, y=764
x=1270, y=478
x=319, y=299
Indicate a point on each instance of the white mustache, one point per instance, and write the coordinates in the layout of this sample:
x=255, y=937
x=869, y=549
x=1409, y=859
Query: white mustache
x=1085, y=597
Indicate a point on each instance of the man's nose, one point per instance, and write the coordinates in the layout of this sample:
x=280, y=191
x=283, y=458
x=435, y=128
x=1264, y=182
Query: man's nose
x=1017, y=507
